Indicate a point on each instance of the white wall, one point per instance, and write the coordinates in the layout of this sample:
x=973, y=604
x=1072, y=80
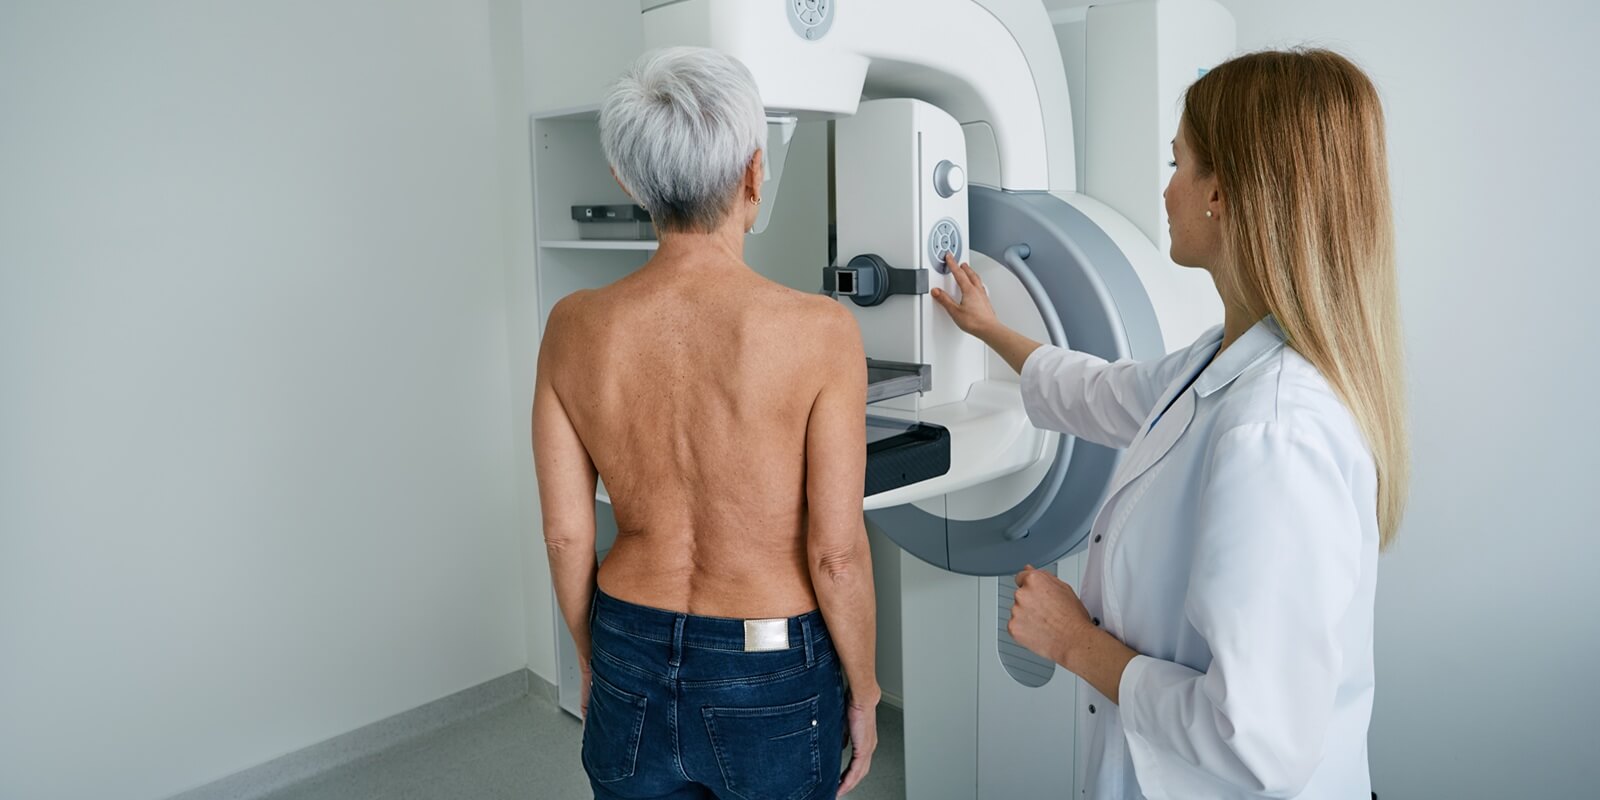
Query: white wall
x=1486, y=639
x=256, y=477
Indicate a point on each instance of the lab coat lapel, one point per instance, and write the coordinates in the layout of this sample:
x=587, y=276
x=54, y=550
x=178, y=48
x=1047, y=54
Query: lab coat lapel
x=1143, y=452
x=1155, y=442
x=1263, y=338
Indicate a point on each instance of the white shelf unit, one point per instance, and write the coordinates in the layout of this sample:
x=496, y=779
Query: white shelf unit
x=569, y=168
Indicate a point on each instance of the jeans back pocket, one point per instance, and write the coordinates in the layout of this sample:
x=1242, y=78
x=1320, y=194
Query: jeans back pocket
x=768, y=753
x=611, y=731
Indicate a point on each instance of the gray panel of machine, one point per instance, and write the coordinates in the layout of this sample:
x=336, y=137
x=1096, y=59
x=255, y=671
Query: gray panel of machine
x=1104, y=311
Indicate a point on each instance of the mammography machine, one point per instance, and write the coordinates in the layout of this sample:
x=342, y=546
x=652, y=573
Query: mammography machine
x=954, y=133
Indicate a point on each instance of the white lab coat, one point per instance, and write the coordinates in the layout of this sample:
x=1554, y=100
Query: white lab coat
x=1237, y=553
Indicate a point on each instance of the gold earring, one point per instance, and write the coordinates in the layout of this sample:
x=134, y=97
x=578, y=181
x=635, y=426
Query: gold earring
x=756, y=201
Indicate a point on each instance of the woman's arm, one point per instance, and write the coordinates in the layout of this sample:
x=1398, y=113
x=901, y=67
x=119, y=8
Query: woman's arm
x=836, y=534
x=1064, y=390
x=566, y=498
x=1048, y=618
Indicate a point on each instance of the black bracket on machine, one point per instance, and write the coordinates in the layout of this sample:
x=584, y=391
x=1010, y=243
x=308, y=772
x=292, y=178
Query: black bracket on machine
x=869, y=280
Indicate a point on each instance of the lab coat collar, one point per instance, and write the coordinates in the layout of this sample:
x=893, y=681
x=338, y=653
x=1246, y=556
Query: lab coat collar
x=1263, y=338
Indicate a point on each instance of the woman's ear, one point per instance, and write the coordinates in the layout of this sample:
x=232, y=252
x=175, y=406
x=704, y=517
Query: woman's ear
x=754, y=174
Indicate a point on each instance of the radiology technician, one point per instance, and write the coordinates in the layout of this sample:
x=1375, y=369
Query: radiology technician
x=1224, y=631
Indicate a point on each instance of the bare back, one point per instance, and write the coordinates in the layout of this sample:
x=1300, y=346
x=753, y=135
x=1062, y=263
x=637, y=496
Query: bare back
x=691, y=390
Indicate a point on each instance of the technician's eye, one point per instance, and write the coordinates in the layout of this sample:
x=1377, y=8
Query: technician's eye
x=1172, y=164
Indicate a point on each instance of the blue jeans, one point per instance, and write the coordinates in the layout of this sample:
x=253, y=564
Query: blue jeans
x=678, y=709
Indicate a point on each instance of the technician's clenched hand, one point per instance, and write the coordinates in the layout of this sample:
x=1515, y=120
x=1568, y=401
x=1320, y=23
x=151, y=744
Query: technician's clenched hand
x=1049, y=619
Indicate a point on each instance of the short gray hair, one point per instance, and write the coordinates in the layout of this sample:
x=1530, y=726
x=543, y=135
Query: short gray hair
x=679, y=127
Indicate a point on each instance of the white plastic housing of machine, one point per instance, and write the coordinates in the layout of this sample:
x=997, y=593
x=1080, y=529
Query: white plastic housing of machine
x=956, y=54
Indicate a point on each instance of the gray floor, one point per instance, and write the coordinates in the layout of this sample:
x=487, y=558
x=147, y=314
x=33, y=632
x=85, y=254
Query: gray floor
x=526, y=749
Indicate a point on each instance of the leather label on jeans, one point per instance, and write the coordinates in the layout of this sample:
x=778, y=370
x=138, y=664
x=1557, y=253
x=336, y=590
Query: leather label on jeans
x=765, y=635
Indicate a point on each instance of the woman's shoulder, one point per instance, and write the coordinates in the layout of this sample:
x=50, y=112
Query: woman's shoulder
x=797, y=313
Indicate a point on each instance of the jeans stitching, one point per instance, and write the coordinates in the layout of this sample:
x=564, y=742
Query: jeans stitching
x=601, y=654
x=677, y=747
x=676, y=662
x=601, y=621
x=759, y=680
x=816, y=759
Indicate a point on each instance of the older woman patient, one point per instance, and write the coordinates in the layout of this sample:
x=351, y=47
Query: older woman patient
x=724, y=414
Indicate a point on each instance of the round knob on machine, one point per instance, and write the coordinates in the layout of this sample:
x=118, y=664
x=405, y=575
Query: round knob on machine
x=948, y=179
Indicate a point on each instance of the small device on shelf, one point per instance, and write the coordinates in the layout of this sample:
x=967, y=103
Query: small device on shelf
x=629, y=222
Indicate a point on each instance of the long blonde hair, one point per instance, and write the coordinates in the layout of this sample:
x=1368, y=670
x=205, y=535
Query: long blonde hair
x=1296, y=142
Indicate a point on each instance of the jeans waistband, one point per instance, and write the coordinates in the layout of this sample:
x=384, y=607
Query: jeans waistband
x=709, y=633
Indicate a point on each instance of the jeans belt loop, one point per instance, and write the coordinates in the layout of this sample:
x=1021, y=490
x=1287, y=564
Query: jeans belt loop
x=805, y=635
x=677, y=640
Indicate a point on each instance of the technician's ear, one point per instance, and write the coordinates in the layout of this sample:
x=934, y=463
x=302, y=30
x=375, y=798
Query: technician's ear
x=1215, y=204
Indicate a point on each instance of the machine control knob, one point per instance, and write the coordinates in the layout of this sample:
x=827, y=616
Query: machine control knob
x=948, y=179
x=944, y=238
x=811, y=19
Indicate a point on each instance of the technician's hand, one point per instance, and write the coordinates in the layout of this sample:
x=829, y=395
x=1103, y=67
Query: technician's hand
x=1047, y=617
x=862, y=721
x=974, y=314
